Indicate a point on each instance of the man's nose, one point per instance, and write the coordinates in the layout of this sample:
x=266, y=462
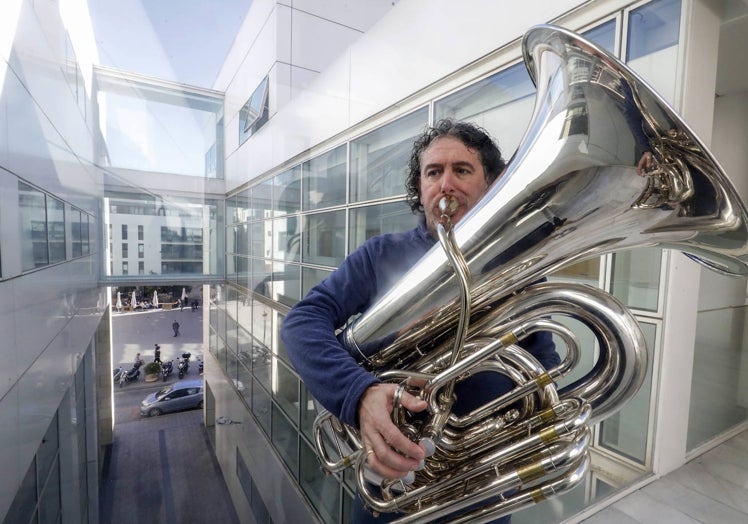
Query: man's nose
x=448, y=182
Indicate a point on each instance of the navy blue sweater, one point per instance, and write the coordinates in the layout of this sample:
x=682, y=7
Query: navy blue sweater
x=332, y=375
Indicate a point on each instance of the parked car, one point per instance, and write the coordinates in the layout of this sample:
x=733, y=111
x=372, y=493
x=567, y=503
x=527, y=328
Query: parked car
x=187, y=394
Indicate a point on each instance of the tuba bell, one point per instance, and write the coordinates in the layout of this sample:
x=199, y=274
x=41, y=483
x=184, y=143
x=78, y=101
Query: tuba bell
x=571, y=192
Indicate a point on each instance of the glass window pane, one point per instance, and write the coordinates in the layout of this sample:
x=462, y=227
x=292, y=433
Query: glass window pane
x=286, y=441
x=324, y=239
x=379, y=160
x=241, y=266
x=33, y=208
x=242, y=206
x=285, y=286
x=308, y=413
x=56, y=229
x=324, y=180
x=635, y=278
x=86, y=230
x=261, y=406
x=652, y=44
x=719, y=385
x=181, y=133
x=260, y=278
x=501, y=103
x=286, y=391
x=261, y=200
x=310, y=277
x=603, y=35
x=255, y=112
x=627, y=431
x=366, y=222
x=286, y=238
x=322, y=490
x=287, y=191
x=653, y=27
x=258, y=239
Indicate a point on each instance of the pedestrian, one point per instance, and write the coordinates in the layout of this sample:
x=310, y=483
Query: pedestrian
x=175, y=327
x=157, y=354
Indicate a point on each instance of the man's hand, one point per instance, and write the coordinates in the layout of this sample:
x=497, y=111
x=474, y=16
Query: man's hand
x=389, y=452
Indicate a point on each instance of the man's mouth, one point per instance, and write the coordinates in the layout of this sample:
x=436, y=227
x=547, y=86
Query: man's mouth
x=448, y=205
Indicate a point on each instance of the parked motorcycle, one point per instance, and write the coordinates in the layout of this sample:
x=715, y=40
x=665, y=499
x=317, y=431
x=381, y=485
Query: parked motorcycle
x=184, y=364
x=131, y=375
x=166, y=369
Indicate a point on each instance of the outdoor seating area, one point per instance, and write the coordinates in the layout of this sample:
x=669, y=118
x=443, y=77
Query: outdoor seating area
x=136, y=299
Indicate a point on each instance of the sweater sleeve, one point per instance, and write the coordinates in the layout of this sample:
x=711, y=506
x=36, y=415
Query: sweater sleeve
x=332, y=375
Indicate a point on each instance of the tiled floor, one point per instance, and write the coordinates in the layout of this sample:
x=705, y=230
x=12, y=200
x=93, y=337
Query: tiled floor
x=712, y=488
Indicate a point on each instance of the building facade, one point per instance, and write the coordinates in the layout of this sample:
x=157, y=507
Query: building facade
x=325, y=171
x=299, y=156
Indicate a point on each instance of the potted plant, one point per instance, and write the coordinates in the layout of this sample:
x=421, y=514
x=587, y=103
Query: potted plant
x=152, y=371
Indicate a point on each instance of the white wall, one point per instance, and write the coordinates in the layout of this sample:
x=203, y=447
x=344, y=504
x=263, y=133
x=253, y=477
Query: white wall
x=48, y=317
x=414, y=44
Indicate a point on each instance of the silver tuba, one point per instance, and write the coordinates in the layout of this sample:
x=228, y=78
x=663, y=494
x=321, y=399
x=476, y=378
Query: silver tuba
x=571, y=192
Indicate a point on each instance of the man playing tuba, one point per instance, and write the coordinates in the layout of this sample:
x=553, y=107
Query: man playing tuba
x=456, y=160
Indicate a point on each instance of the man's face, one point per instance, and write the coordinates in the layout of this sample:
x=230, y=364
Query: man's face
x=448, y=167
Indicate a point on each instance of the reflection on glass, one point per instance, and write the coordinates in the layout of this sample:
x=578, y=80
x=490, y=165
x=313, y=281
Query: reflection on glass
x=261, y=406
x=310, y=277
x=258, y=240
x=323, y=491
x=501, y=103
x=286, y=392
x=653, y=27
x=603, y=35
x=75, y=232
x=261, y=200
x=33, y=222
x=56, y=229
x=366, y=222
x=287, y=191
x=379, y=159
x=719, y=385
x=323, y=239
x=635, y=278
x=286, y=441
x=308, y=413
x=627, y=431
x=287, y=238
x=181, y=126
x=323, y=179
x=285, y=285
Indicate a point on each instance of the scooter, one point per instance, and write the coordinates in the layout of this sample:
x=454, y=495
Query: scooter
x=200, y=365
x=184, y=364
x=129, y=376
x=166, y=369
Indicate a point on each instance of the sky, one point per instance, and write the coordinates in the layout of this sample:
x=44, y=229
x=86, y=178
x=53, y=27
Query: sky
x=179, y=40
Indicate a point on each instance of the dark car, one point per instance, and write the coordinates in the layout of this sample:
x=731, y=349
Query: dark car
x=186, y=394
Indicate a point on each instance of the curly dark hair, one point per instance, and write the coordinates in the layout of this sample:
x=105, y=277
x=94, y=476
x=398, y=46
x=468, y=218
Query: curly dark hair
x=473, y=136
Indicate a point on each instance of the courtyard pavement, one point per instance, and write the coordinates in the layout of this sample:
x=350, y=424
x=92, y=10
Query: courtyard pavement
x=160, y=469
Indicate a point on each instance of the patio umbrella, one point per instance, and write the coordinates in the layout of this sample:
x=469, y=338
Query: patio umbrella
x=119, y=301
x=184, y=294
x=155, y=299
x=133, y=301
